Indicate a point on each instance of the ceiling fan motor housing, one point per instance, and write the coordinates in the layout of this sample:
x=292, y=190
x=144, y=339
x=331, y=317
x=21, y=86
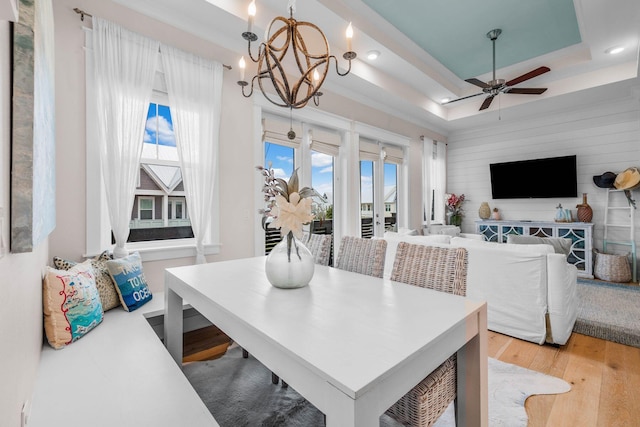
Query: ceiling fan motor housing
x=495, y=84
x=493, y=34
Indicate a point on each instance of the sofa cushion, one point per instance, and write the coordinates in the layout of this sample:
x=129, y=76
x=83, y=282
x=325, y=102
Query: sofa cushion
x=70, y=304
x=407, y=231
x=130, y=283
x=104, y=284
x=451, y=230
x=462, y=242
x=560, y=245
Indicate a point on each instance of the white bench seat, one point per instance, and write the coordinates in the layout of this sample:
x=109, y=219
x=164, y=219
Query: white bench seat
x=119, y=374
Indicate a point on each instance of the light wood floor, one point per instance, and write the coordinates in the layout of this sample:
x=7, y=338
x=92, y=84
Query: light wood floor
x=604, y=378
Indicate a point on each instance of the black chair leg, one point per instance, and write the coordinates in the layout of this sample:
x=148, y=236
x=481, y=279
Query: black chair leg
x=274, y=378
x=245, y=354
x=284, y=384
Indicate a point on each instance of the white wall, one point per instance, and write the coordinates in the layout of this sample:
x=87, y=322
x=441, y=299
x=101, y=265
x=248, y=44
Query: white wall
x=237, y=173
x=604, y=136
x=21, y=314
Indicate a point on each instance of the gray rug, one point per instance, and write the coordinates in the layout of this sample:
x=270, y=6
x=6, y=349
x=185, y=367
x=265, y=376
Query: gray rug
x=610, y=311
x=239, y=393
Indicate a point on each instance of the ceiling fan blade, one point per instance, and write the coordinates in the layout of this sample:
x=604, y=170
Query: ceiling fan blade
x=487, y=102
x=526, y=91
x=477, y=82
x=464, y=97
x=529, y=75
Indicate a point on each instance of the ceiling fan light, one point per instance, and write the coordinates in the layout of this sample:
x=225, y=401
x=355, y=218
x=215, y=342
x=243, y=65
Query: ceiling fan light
x=372, y=55
x=614, y=50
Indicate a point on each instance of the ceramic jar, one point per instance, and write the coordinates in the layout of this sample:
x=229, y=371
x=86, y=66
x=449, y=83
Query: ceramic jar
x=496, y=214
x=485, y=211
x=585, y=213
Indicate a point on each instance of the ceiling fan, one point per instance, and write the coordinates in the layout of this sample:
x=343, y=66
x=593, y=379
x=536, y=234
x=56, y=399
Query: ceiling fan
x=498, y=86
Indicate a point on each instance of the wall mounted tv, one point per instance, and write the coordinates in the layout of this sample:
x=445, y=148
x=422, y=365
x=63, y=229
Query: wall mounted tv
x=538, y=178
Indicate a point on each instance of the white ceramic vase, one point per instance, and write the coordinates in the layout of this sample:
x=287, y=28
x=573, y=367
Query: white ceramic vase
x=292, y=268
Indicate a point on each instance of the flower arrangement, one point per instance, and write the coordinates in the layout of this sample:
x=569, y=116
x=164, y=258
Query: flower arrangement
x=288, y=206
x=454, y=208
x=454, y=203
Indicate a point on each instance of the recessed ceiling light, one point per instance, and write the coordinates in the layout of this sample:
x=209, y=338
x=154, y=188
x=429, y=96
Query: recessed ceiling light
x=445, y=100
x=614, y=50
x=373, y=55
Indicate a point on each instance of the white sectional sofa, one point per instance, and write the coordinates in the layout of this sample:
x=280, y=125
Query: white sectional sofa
x=529, y=289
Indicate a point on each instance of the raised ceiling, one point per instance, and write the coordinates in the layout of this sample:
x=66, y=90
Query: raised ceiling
x=428, y=49
x=454, y=32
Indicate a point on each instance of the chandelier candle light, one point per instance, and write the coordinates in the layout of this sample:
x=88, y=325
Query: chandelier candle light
x=303, y=47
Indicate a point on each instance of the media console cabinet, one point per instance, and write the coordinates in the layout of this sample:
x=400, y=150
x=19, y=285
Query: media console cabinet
x=580, y=233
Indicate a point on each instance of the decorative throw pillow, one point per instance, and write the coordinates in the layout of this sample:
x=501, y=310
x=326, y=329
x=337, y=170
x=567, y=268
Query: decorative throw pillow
x=560, y=245
x=108, y=295
x=70, y=304
x=407, y=231
x=128, y=276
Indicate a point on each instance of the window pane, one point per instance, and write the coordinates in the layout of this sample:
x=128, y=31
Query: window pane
x=146, y=204
x=322, y=182
x=390, y=196
x=160, y=173
x=179, y=210
x=281, y=159
x=366, y=197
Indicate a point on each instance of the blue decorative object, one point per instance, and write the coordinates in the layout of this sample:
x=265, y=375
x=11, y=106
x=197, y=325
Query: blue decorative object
x=130, y=283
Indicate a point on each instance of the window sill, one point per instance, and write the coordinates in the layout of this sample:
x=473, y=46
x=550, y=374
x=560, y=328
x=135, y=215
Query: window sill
x=158, y=251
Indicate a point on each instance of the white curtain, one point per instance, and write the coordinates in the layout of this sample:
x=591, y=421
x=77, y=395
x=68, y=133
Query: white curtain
x=194, y=85
x=435, y=154
x=440, y=181
x=124, y=68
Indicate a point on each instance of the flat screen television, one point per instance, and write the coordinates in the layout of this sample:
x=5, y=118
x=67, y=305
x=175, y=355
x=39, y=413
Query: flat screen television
x=538, y=178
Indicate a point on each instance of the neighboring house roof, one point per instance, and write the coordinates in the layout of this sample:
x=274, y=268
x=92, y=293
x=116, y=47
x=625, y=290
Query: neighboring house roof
x=165, y=177
x=389, y=196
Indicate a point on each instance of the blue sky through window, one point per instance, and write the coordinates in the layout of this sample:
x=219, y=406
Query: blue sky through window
x=159, y=127
x=366, y=180
x=280, y=158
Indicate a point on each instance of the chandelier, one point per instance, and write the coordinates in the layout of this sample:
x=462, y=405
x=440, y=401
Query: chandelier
x=285, y=46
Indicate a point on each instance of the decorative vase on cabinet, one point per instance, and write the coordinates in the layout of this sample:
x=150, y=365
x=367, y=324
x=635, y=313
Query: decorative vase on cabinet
x=585, y=213
x=485, y=211
x=496, y=215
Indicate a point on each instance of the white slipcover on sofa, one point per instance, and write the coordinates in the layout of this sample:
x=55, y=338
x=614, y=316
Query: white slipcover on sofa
x=529, y=289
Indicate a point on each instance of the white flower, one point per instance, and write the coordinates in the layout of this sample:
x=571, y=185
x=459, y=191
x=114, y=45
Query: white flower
x=291, y=215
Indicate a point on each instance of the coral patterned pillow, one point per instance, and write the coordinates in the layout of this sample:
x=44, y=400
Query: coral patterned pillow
x=70, y=304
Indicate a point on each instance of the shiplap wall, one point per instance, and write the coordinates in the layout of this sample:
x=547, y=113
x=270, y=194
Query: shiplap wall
x=604, y=137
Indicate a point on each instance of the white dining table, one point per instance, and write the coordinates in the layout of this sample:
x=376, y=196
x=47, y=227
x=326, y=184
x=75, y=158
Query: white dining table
x=351, y=344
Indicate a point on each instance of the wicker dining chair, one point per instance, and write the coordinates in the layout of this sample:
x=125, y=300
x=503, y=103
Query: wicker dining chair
x=364, y=256
x=445, y=270
x=320, y=247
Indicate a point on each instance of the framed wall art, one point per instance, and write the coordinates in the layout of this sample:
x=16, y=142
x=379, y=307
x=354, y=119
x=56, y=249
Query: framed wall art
x=33, y=127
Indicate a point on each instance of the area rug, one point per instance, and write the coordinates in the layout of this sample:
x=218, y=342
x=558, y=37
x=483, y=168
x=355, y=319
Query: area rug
x=239, y=393
x=610, y=311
